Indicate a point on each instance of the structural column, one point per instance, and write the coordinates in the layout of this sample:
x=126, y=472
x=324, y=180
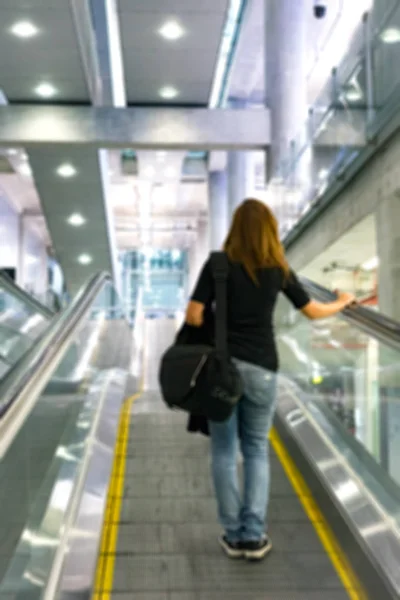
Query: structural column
x=388, y=242
x=218, y=208
x=198, y=254
x=240, y=177
x=286, y=75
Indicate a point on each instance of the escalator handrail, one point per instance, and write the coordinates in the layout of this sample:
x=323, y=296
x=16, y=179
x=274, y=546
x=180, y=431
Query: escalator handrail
x=373, y=323
x=17, y=399
x=14, y=290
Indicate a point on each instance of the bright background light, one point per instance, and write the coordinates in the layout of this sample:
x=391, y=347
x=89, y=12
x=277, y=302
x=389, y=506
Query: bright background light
x=24, y=29
x=46, y=90
x=85, y=259
x=67, y=170
x=168, y=92
x=76, y=220
x=171, y=31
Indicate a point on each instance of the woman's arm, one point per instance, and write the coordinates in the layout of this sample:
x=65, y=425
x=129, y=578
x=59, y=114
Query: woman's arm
x=195, y=314
x=321, y=310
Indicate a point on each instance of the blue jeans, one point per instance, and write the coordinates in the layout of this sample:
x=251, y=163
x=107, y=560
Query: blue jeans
x=244, y=517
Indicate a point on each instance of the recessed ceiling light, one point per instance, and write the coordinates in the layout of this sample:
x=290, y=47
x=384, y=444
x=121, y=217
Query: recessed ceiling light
x=77, y=220
x=85, y=259
x=391, y=35
x=24, y=29
x=46, y=90
x=12, y=151
x=171, y=30
x=161, y=156
x=168, y=92
x=323, y=174
x=67, y=170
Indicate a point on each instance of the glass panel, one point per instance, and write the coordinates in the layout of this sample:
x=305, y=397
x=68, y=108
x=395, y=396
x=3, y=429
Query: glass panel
x=39, y=472
x=350, y=376
x=327, y=143
x=385, y=60
x=20, y=326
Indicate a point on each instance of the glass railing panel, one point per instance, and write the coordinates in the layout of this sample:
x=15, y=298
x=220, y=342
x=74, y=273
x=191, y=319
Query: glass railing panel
x=328, y=142
x=40, y=470
x=351, y=376
x=20, y=326
x=385, y=60
x=358, y=99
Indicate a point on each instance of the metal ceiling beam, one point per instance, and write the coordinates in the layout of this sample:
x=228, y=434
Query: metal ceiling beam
x=156, y=128
x=97, y=27
x=88, y=49
x=139, y=128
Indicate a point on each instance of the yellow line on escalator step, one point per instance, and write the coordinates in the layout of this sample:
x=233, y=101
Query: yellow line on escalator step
x=105, y=566
x=337, y=557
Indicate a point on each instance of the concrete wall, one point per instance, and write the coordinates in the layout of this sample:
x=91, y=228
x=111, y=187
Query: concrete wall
x=379, y=180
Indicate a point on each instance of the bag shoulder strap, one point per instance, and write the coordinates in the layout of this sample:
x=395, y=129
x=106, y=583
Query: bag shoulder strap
x=220, y=269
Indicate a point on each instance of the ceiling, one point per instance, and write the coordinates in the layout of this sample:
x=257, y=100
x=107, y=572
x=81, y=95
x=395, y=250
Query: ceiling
x=157, y=197
x=153, y=198
x=61, y=198
x=150, y=62
x=188, y=64
x=53, y=55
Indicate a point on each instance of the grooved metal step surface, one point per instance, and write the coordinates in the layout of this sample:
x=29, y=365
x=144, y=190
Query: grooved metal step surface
x=167, y=536
x=167, y=545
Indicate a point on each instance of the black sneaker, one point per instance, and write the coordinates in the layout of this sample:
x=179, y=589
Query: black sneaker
x=256, y=550
x=231, y=549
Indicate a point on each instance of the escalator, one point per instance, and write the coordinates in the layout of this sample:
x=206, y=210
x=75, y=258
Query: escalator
x=22, y=320
x=105, y=495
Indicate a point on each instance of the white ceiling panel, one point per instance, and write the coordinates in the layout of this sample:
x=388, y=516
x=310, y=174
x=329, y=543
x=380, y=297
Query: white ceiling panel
x=21, y=90
x=171, y=66
x=152, y=62
x=141, y=91
x=25, y=5
x=140, y=30
x=62, y=197
x=52, y=55
x=175, y=7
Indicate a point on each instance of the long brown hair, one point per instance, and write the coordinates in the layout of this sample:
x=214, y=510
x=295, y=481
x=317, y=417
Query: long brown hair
x=253, y=239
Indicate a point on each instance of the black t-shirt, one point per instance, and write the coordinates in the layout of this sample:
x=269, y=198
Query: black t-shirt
x=250, y=309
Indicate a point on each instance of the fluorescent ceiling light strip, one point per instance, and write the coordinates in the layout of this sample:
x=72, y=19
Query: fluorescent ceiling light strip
x=226, y=52
x=115, y=50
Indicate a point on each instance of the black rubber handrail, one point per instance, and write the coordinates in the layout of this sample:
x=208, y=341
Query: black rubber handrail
x=373, y=323
x=14, y=290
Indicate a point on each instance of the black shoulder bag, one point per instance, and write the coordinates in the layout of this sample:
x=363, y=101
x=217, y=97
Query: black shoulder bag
x=201, y=379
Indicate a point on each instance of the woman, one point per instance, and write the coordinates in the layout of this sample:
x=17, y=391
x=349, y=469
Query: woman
x=258, y=271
